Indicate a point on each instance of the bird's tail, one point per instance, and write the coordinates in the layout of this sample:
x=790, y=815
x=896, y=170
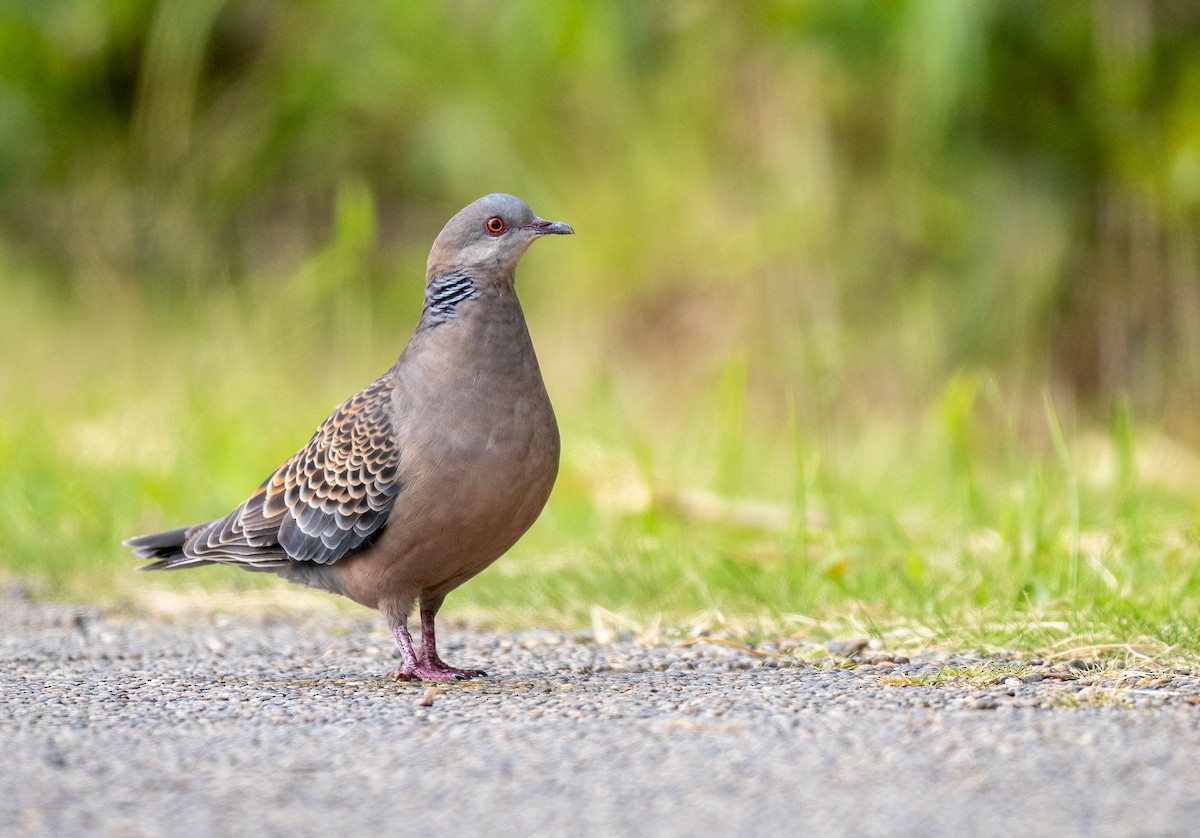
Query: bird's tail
x=165, y=548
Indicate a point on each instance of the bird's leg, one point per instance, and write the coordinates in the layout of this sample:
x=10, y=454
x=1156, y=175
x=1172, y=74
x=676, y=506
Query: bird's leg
x=430, y=664
x=425, y=666
x=408, y=657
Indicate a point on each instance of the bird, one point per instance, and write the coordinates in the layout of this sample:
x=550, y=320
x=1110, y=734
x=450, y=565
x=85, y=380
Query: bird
x=426, y=476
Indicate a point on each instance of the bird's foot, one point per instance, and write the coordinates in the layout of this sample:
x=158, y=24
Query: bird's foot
x=435, y=672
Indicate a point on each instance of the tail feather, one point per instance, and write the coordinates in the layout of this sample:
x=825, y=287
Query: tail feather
x=165, y=548
x=169, y=551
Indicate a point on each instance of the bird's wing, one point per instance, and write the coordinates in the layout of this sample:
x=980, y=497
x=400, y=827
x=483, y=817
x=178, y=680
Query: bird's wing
x=325, y=501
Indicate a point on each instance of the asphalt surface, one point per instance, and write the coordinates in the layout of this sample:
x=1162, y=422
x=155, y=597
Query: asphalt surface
x=287, y=725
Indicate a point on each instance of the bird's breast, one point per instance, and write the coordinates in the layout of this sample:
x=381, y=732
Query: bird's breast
x=479, y=450
x=478, y=459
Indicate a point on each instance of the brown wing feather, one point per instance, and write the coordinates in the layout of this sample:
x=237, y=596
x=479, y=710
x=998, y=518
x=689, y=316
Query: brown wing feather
x=325, y=501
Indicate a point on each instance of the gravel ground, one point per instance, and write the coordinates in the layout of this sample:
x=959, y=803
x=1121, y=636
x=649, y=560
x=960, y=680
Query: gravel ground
x=286, y=725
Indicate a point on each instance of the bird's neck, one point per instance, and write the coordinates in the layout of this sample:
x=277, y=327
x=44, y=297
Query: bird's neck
x=447, y=290
x=483, y=341
x=462, y=311
x=445, y=293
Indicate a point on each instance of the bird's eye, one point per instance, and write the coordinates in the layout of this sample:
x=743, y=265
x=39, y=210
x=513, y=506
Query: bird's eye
x=495, y=225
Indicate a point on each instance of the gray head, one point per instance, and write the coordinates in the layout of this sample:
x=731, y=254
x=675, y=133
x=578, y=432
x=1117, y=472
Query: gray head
x=488, y=237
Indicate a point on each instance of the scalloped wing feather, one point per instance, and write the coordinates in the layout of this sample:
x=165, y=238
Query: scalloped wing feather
x=325, y=501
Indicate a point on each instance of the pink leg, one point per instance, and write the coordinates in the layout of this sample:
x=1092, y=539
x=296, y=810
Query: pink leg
x=426, y=666
x=429, y=659
x=408, y=657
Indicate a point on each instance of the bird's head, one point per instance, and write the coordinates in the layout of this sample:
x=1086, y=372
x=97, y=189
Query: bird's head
x=488, y=237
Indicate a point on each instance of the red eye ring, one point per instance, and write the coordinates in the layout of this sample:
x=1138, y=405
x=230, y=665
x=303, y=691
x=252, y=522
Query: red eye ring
x=495, y=225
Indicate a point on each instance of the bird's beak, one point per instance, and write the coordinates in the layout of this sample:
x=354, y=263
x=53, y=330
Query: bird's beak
x=542, y=227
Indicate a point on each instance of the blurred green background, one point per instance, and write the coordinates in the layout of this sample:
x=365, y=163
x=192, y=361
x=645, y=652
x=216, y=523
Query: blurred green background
x=881, y=317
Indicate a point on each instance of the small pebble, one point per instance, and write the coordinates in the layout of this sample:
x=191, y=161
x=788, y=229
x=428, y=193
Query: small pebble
x=982, y=702
x=430, y=694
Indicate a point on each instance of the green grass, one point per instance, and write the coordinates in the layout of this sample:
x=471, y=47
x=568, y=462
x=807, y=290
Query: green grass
x=974, y=675
x=880, y=319
x=961, y=524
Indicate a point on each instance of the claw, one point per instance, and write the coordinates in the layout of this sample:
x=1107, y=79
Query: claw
x=425, y=672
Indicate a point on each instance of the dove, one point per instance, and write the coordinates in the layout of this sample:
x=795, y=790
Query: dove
x=427, y=475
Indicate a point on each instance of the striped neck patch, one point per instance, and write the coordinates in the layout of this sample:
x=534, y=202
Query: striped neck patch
x=444, y=293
